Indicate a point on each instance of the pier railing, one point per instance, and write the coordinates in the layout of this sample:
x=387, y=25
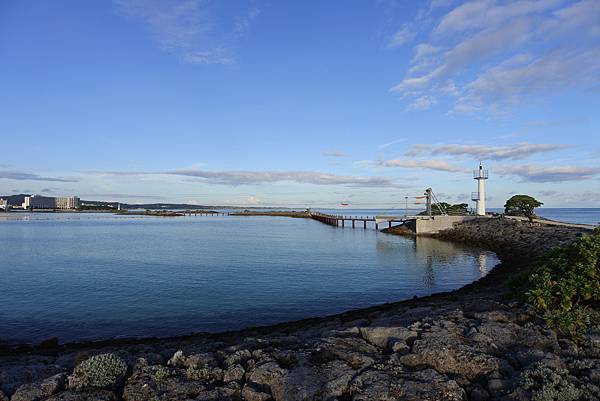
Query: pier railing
x=334, y=220
x=341, y=220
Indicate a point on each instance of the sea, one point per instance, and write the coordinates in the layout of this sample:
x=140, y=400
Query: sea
x=93, y=276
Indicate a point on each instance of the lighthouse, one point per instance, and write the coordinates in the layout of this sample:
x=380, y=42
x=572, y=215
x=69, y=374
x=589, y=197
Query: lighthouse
x=480, y=175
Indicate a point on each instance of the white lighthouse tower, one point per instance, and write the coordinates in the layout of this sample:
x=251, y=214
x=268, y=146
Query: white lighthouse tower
x=480, y=175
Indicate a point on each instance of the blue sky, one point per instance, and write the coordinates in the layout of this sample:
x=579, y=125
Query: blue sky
x=306, y=103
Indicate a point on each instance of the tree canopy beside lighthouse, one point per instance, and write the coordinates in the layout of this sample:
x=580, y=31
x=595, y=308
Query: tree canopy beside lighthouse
x=522, y=205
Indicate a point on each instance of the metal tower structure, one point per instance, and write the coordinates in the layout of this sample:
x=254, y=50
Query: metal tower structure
x=430, y=196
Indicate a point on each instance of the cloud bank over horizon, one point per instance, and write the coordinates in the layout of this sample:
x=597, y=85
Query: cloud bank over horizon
x=488, y=56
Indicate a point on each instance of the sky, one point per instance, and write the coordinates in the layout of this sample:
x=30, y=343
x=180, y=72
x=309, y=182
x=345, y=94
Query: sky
x=300, y=103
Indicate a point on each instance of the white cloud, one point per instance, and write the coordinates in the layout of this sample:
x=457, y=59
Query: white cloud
x=422, y=103
x=424, y=50
x=522, y=75
x=215, y=56
x=25, y=176
x=475, y=15
x=582, y=17
x=535, y=173
x=390, y=143
x=235, y=178
x=404, y=35
x=495, y=53
x=188, y=28
x=245, y=201
x=335, y=153
x=449, y=88
x=516, y=151
x=433, y=164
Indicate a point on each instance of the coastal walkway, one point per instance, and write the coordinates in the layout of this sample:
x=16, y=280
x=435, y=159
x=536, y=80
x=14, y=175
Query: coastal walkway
x=203, y=213
x=417, y=225
x=340, y=220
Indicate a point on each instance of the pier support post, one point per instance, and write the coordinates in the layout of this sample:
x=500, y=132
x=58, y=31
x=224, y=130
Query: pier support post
x=353, y=223
x=390, y=224
x=365, y=223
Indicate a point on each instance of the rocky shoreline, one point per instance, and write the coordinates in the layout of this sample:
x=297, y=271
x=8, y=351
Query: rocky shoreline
x=476, y=343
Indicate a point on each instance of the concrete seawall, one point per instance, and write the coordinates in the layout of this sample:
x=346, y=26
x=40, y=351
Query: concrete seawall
x=435, y=224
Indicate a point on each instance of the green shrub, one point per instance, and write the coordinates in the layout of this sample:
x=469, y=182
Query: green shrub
x=99, y=371
x=565, y=282
x=197, y=374
x=547, y=383
x=163, y=373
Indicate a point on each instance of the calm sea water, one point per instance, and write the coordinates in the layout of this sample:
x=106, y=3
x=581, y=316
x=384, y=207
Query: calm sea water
x=91, y=276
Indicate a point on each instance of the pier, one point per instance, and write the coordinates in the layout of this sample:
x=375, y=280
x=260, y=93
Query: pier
x=341, y=220
x=203, y=213
x=416, y=224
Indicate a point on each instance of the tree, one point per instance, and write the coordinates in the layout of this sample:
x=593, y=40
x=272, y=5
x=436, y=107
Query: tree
x=522, y=205
x=460, y=209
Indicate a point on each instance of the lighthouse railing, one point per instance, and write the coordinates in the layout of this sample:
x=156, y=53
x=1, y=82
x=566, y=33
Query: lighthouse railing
x=480, y=174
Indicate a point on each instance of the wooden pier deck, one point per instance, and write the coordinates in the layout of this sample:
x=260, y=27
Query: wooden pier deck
x=329, y=219
x=203, y=213
x=364, y=221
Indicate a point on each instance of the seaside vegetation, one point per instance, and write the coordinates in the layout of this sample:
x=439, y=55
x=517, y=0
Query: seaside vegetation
x=522, y=205
x=459, y=209
x=99, y=371
x=565, y=285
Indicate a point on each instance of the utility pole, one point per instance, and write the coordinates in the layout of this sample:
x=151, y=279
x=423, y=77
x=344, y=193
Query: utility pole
x=428, y=199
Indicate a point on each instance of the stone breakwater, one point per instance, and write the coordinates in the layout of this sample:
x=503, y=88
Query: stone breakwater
x=472, y=344
x=512, y=239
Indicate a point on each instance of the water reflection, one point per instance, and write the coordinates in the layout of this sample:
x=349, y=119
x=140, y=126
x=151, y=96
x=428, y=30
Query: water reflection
x=433, y=257
x=441, y=251
x=482, y=259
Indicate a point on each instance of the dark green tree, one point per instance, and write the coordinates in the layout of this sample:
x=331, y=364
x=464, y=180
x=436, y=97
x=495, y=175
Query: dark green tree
x=459, y=209
x=522, y=205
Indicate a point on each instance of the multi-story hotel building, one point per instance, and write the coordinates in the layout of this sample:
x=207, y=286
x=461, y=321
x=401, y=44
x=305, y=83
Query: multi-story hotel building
x=67, y=202
x=47, y=202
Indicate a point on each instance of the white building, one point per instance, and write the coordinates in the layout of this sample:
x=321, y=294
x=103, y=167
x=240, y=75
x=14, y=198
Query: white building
x=4, y=205
x=47, y=202
x=67, y=202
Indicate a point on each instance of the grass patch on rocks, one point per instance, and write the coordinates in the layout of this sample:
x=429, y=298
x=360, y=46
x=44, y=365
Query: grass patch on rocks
x=104, y=371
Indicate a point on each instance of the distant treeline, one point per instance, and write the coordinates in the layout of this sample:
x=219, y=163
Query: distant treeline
x=163, y=206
